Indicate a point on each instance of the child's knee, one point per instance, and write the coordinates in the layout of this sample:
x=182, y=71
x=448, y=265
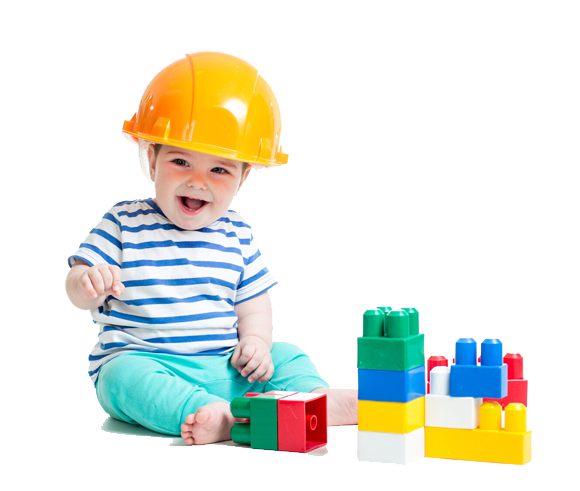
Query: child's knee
x=293, y=370
x=283, y=353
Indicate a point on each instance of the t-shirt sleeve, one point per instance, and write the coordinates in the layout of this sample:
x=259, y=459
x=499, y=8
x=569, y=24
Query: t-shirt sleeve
x=103, y=244
x=256, y=278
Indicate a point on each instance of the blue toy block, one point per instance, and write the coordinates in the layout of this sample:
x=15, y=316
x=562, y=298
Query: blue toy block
x=391, y=385
x=466, y=352
x=467, y=379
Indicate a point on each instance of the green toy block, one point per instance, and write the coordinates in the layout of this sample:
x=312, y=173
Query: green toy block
x=262, y=410
x=391, y=354
x=399, y=348
x=264, y=422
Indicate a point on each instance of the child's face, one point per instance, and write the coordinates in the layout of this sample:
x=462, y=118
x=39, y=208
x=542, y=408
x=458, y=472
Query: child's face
x=193, y=189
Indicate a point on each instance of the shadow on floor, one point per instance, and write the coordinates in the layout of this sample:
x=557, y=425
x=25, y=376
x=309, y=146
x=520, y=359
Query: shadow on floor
x=112, y=425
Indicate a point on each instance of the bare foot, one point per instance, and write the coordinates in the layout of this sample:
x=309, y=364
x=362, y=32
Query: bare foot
x=341, y=406
x=209, y=424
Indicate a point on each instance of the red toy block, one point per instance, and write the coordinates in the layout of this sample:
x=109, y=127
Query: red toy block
x=432, y=362
x=517, y=385
x=302, y=422
x=515, y=363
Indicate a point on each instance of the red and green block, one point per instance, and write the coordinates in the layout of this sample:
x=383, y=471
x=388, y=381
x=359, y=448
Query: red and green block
x=278, y=420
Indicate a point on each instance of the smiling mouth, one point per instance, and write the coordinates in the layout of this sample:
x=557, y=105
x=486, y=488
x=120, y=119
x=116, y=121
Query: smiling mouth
x=191, y=206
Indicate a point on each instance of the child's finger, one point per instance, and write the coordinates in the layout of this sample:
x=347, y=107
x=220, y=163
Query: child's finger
x=97, y=281
x=118, y=288
x=107, y=277
x=86, y=288
x=246, y=353
x=261, y=370
x=252, y=365
x=235, y=357
x=116, y=272
x=268, y=375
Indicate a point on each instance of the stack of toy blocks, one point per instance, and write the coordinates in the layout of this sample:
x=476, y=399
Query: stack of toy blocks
x=279, y=420
x=458, y=425
x=391, y=380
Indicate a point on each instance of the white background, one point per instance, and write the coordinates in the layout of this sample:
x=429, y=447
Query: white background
x=434, y=150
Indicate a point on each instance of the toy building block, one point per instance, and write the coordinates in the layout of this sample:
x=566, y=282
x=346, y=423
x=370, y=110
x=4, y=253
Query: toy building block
x=396, y=448
x=290, y=421
x=489, y=442
x=391, y=385
x=444, y=411
x=302, y=425
x=391, y=417
x=432, y=362
x=517, y=385
x=391, y=340
x=471, y=380
x=262, y=430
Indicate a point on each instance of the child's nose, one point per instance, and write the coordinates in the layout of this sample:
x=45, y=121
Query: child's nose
x=197, y=180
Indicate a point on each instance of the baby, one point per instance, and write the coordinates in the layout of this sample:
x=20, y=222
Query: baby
x=176, y=284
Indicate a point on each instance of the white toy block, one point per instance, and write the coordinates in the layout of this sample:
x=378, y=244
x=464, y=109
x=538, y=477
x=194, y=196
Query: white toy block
x=452, y=412
x=440, y=381
x=445, y=411
x=391, y=448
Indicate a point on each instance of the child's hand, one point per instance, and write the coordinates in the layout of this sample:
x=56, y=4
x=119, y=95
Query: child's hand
x=252, y=359
x=100, y=280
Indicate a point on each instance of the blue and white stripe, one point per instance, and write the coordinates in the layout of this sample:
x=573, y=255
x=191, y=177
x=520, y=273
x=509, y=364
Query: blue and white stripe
x=181, y=286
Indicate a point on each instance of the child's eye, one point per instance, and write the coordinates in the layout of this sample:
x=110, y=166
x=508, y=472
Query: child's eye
x=180, y=162
x=219, y=170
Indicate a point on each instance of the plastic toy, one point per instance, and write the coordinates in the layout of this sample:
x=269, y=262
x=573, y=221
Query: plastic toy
x=391, y=404
x=444, y=411
x=394, y=448
x=391, y=385
x=432, y=362
x=489, y=442
x=247, y=130
x=398, y=423
x=399, y=347
x=468, y=379
x=391, y=417
x=517, y=386
x=286, y=421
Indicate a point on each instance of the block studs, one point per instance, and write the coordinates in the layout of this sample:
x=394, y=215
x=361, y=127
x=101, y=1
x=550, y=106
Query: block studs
x=397, y=324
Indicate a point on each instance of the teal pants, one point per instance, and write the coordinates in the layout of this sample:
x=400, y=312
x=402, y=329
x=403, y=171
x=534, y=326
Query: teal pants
x=158, y=390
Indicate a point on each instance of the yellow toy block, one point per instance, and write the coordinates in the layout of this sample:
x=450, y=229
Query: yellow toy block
x=489, y=442
x=391, y=417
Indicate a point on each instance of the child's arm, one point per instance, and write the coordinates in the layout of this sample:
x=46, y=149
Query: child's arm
x=88, y=287
x=252, y=354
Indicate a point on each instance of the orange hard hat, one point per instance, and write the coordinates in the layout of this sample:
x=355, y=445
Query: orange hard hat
x=211, y=103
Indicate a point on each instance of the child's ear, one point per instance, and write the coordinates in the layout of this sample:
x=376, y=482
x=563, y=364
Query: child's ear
x=152, y=160
x=245, y=176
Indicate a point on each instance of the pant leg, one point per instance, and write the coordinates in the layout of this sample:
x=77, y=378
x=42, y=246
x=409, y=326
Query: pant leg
x=158, y=391
x=293, y=370
x=154, y=391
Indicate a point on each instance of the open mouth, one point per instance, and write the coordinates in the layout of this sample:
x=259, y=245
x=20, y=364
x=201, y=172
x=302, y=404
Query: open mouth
x=191, y=206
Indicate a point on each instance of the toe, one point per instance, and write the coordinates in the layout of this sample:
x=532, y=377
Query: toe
x=202, y=415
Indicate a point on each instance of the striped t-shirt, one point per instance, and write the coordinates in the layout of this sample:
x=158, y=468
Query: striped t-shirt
x=181, y=286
